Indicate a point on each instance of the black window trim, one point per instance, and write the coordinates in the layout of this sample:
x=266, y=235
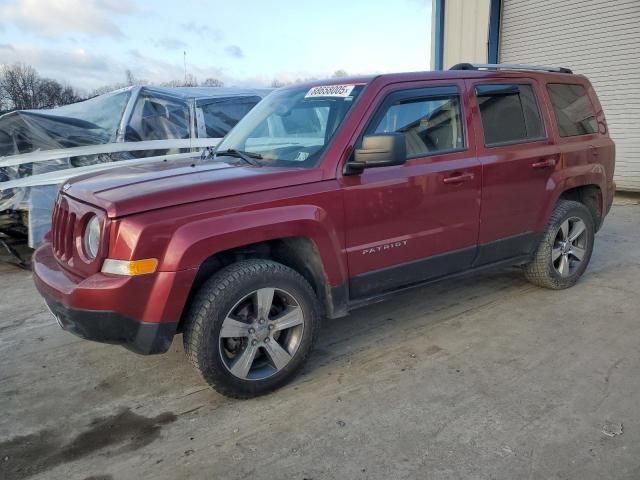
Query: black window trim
x=545, y=135
x=555, y=117
x=418, y=93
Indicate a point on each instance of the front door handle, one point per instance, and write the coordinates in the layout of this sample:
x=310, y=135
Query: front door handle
x=458, y=178
x=547, y=162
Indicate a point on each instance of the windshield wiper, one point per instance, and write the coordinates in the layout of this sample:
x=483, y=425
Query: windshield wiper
x=249, y=157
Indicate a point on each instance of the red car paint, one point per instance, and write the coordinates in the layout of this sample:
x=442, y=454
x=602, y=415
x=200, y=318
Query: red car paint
x=183, y=212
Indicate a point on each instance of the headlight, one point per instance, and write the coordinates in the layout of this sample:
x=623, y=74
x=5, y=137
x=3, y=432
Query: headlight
x=92, y=237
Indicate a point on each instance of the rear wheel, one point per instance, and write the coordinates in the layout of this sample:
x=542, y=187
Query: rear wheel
x=565, y=250
x=251, y=327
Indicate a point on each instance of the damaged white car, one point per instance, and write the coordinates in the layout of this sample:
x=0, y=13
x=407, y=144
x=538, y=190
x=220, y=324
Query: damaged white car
x=40, y=149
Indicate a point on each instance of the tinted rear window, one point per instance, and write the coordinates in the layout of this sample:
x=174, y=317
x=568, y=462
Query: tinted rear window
x=509, y=113
x=573, y=109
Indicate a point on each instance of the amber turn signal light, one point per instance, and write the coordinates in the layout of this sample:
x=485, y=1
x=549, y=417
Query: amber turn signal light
x=130, y=268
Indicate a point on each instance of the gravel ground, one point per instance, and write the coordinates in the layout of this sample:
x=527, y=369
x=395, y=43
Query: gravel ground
x=474, y=378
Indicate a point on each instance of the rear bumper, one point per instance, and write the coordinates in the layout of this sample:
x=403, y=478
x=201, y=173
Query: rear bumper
x=112, y=327
x=139, y=313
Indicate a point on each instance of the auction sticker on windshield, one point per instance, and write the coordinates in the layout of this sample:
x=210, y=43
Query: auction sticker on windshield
x=330, y=91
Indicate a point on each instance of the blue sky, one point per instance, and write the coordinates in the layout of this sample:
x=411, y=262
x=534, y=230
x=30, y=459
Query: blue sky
x=89, y=43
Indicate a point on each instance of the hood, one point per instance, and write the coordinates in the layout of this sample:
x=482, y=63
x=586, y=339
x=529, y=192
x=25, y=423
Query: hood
x=134, y=189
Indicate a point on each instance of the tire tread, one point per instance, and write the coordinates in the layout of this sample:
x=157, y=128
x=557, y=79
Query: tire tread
x=215, y=291
x=538, y=271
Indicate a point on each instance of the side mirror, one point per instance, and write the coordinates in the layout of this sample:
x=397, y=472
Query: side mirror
x=378, y=150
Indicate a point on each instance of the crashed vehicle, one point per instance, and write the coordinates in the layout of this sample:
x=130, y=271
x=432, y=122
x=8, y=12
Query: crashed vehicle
x=40, y=149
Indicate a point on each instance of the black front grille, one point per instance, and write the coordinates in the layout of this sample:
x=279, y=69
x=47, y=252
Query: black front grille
x=62, y=229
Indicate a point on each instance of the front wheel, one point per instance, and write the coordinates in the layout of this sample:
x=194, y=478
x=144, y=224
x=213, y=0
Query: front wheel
x=565, y=250
x=251, y=327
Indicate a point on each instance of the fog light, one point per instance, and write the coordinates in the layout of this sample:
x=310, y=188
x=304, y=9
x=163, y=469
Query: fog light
x=130, y=267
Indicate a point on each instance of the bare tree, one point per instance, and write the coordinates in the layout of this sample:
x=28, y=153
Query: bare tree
x=19, y=83
x=213, y=82
x=130, y=79
x=22, y=88
x=173, y=83
x=190, y=81
x=54, y=94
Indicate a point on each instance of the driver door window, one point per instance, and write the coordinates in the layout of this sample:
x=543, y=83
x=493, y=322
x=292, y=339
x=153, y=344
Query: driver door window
x=430, y=125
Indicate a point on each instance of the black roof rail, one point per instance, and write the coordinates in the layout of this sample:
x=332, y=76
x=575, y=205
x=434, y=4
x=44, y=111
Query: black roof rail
x=508, y=66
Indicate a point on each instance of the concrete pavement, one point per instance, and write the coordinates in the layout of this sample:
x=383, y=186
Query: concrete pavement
x=474, y=378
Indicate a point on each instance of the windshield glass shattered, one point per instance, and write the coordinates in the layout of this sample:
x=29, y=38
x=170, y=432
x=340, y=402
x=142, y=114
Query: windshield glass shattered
x=292, y=127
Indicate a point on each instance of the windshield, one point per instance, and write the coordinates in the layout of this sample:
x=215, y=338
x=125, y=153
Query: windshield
x=292, y=127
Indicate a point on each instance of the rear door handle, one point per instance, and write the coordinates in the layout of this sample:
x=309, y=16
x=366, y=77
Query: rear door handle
x=458, y=178
x=547, y=162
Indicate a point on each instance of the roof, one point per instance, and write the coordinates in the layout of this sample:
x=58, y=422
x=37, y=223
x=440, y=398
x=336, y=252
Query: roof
x=207, y=92
x=432, y=75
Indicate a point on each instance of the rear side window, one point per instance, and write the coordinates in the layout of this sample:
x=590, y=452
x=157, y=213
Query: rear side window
x=509, y=113
x=573, y=109
x=430, y=124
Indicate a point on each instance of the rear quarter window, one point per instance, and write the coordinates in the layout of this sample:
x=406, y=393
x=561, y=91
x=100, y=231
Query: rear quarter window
x=573, y=110
x=509, y=113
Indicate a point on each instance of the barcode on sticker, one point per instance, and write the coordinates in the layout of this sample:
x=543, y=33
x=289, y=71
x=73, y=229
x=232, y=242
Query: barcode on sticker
x=330, y=91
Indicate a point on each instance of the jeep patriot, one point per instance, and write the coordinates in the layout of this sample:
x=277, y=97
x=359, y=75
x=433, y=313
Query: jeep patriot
x=325, y=197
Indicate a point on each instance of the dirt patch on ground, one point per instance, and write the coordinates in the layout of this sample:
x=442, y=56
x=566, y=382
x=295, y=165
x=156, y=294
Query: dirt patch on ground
x=29, y=455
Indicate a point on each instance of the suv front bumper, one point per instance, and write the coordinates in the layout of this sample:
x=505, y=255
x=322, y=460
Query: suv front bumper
x=139, y=313
x=112, y=327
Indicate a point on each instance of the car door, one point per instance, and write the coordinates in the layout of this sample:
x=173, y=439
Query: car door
x=518, y=157
x=419, y=220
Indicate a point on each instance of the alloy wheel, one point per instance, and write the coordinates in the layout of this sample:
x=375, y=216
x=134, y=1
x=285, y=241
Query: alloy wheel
x=261, y=334
x=569, y=247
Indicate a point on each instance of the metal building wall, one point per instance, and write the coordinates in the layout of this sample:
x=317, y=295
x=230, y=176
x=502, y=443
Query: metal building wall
x=466, y=27
x=598, y=39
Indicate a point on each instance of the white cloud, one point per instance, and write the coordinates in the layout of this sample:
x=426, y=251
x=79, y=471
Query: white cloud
x=74, y=66
x=87, y=71
x=170, y=43
x=57, y=17
x=204, y=31
x=234, y=50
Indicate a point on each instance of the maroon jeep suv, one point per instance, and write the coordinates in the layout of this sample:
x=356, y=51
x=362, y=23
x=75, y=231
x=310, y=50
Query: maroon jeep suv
x=325, y=197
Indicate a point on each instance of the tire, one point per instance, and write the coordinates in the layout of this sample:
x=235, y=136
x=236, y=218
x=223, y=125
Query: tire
x=557, y=265
x=229, y=304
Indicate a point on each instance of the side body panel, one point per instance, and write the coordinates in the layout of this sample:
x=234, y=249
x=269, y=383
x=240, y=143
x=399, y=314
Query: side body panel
x=515, y=181
x=584, y=159
x=401, y=220
x=187, y=235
